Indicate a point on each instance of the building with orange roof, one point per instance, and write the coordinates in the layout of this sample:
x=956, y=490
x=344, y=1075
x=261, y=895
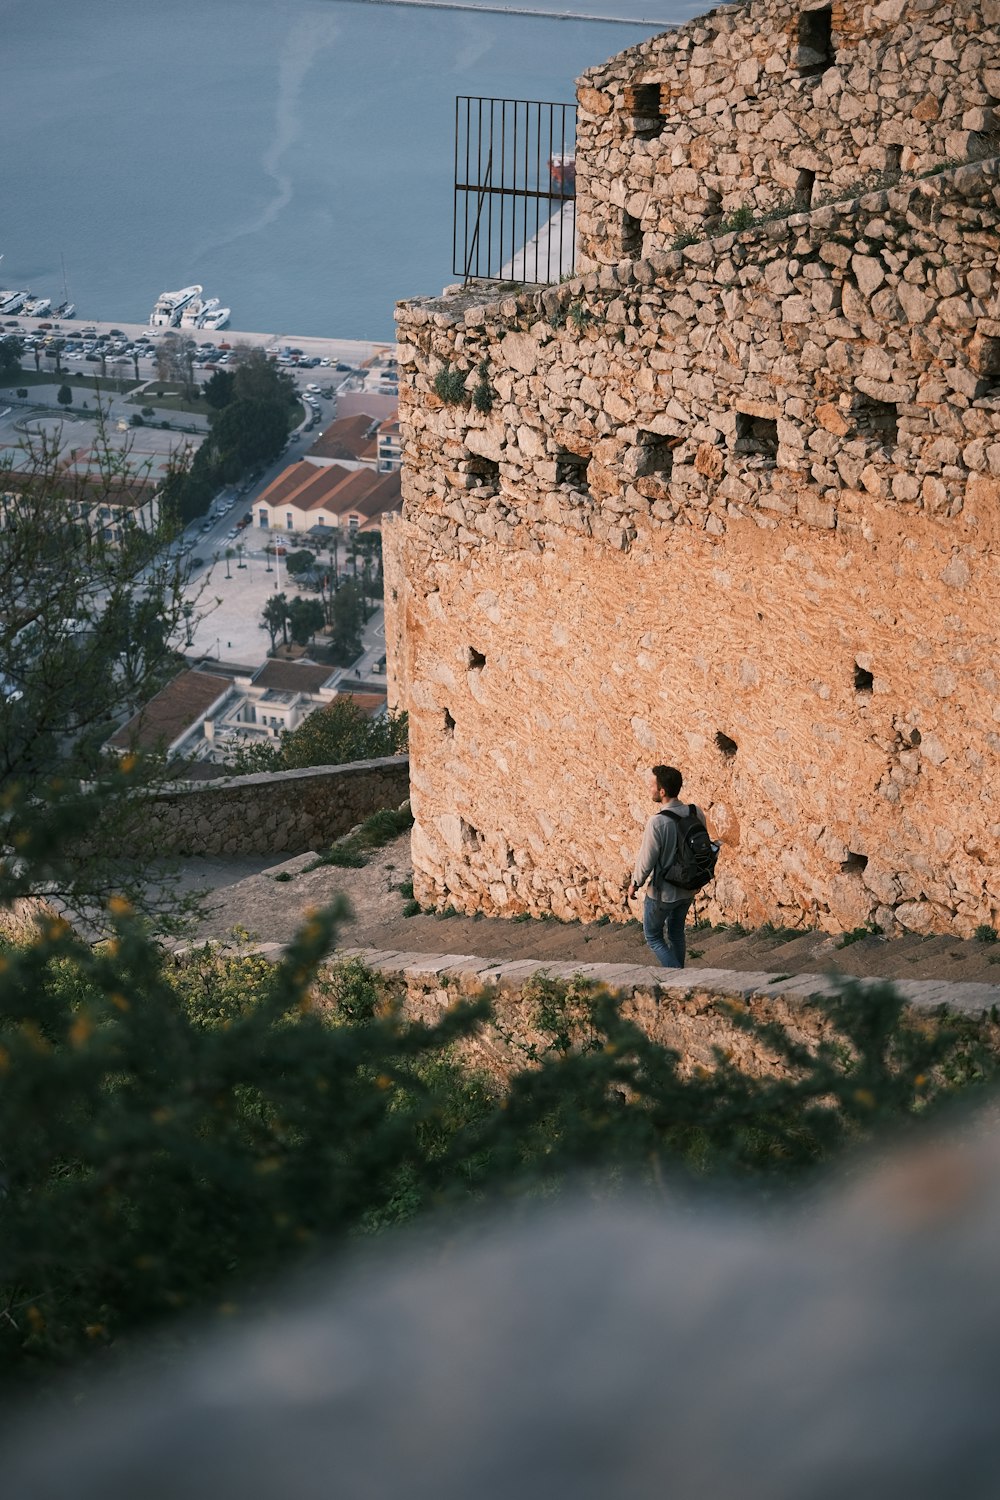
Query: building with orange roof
x=307, y=495
x=349, y=440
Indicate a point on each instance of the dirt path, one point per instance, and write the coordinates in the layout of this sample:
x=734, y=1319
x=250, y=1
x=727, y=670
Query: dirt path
x=270, y=903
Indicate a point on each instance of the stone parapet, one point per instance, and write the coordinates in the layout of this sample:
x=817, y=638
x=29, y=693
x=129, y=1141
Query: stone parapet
x=755, y=106
x=283, y=812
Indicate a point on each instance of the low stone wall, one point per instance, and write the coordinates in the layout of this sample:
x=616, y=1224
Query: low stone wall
x=284, y=812
x=691, y=1014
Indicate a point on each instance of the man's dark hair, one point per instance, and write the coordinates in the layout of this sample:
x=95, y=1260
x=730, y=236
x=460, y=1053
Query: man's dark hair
x=668, y=779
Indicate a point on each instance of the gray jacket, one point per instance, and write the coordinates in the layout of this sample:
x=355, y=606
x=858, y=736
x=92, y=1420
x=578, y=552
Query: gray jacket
x=658, y=851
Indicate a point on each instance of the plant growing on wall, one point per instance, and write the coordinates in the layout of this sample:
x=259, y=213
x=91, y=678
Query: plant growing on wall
x=483, y=394
x=449, y=385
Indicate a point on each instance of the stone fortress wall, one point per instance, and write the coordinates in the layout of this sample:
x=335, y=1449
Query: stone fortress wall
x=735, y=505
x=774, y=104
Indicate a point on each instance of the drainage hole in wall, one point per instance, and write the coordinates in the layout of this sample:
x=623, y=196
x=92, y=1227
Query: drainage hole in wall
x=854, y=863
x=449, y=723
x=863, y=681
x=725, y=744
x=476, y=660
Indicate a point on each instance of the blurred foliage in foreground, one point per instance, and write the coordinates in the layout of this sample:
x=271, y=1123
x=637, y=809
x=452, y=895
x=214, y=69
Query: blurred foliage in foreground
x=172, y=1134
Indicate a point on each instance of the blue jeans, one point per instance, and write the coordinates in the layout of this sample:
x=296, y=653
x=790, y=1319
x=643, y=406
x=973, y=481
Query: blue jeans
x=657, y=915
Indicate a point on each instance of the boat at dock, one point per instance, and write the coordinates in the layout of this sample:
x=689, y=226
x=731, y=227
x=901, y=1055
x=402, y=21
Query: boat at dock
x=170, y=307
x=37, y=307
x=195, y=311
x=562, y=170
x=217, y=318
x=12, y=302
x=65, y=310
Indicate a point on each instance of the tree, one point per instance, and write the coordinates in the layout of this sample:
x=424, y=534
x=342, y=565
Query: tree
x=246, y=434
x=347, y=620
x=275, y=617
x=219, y=390
x=305, y=617
x=332, y=736
x=85, y=636
x=257, y=378
x=64, y=395
x=171, y=364
x=300, y=562
x=11, y=350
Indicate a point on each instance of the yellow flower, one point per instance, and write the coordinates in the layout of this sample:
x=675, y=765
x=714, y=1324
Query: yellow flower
x=118, y=906
x=129, y=763
x=119, y=1001
x=384, y=1081
x=35, y=1319
x=865, y=1097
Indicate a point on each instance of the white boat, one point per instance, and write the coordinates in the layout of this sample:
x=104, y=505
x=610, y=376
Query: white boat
x=12, y=302
x=170, y=306
x=65, y=310
x=217, y=319
x=194, y=314
x=208, y=308
x=37, y=307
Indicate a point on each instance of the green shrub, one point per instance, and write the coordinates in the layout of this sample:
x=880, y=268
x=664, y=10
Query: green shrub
x=449, y=385
x=856, y=935
x=378, y=829
x=411, y=908
x=984, y=933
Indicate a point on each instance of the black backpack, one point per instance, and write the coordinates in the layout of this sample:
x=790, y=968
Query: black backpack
x=697, y=854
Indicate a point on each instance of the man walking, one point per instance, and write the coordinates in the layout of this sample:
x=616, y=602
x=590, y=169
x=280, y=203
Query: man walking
x=666, y=905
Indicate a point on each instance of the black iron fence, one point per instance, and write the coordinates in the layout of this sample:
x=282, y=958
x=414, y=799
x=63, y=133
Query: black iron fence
x=515, y=190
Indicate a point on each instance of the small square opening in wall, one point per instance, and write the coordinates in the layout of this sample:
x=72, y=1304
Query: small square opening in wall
x=657, y=455
x=485, y=474
x=876, y=420
x=449, y=724
x=644, y=108
x=571, y=469
x=725, y=744
x=631, y=237
x=864, y=680
x=756, y=437
x=893, y=161
x=475, y=660
x=854, y=864
x=816, y=51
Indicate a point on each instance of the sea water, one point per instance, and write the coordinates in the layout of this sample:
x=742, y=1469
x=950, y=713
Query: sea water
x=295, y=157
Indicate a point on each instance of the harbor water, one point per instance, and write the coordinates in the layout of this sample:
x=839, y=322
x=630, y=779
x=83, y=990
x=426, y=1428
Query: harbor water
x=294, y=157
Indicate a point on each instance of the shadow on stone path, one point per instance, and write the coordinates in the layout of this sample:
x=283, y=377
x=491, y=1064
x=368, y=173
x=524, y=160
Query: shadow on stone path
x=268, y=899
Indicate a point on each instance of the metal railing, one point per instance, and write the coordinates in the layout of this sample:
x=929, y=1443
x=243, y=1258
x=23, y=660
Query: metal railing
x=515, y=190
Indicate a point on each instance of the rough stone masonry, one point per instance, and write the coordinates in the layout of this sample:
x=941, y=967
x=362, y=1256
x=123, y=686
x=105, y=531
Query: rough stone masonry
x=732, y=496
